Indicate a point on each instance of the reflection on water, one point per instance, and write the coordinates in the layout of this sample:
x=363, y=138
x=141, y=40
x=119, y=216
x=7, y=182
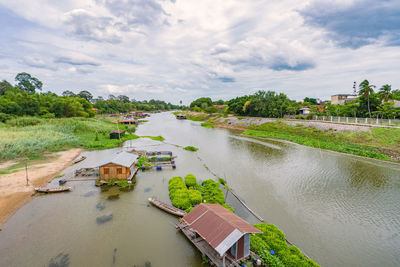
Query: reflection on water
x=340, y=210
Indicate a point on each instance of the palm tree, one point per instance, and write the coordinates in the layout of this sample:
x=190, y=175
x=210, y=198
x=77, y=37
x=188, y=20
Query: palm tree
x=385, y=92
x=366, y=90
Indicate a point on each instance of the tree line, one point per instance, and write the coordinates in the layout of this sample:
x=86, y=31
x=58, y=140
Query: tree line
x=368, y=103
x=26, y=99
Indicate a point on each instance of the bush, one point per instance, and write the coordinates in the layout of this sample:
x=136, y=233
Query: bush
x=197, y=109
x=273, y=238
x=4, y=117
x=212, y=192
x=195, y=197
x=24, y=121
x=190, y=180
x=131, y=129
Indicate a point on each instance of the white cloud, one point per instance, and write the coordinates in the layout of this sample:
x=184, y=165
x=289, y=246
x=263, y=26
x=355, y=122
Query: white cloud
x=161, y=49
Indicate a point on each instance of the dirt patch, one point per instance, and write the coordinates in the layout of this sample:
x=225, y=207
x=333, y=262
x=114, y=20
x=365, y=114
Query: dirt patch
x=13, y=189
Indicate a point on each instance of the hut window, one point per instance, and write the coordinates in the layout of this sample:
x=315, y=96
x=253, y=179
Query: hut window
x=119, y=170
x=106, y=170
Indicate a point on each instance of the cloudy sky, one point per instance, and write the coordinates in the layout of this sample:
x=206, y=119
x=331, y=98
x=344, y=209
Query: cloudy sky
x=183, y=49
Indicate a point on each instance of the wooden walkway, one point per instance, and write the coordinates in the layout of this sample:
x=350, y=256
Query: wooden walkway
x=167, y=208
x=204, y=248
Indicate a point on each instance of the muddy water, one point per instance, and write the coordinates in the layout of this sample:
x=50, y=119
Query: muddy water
x=340, y=210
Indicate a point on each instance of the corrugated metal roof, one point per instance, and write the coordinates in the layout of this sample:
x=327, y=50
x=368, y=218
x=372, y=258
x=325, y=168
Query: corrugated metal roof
x=123, y=158
x=218, y=226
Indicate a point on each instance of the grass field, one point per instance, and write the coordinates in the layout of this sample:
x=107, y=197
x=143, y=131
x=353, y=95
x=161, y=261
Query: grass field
x=31, y=137
x=380, y=143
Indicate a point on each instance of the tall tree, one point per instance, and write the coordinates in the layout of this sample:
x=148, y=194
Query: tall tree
x=4, y=86
x=27, y=82
x=86, y=95
x=385, y=92
x=68, y=93
x=366, y=89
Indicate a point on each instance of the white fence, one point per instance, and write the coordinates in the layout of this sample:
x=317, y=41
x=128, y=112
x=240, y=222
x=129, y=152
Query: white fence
x=376, y=121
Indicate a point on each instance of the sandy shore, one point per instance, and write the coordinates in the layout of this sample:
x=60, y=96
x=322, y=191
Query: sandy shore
x=14, y=192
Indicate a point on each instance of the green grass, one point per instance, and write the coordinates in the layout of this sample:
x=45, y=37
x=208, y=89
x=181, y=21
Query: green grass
x=59, y=175
x=379, y=144
x=197, y=117
x=207, y=125
x=31, y=137
x=191, y=148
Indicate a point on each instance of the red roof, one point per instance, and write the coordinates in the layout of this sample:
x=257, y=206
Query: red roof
x=218, y=226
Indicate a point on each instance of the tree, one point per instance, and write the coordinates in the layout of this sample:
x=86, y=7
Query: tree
x=123, y=98
x=68, y=93
x=366, y=90
x=311, y=101
x=28, y=83
x=86, y=95
x=202, y=102
x=5, y=86
x=385, y=92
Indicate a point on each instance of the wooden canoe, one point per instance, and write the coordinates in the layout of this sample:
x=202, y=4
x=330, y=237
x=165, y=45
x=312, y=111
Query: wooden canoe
x=167, y=208
x=52, y=190
x=79, y=159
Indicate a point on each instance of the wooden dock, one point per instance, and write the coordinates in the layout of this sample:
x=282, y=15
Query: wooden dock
x=167, y=208
x=205, y=249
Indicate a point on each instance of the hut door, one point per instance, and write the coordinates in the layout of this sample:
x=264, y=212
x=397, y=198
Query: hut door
x=106, y=173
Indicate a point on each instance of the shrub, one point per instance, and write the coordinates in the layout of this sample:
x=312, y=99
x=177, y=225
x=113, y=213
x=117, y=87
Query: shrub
x=207, y=125
x=190, y=180
x=212, y=192
x=131, y=129
x=4, y=117
x=181, y=199
x=195, y=197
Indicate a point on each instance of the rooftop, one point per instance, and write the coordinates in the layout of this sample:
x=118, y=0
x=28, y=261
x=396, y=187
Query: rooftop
x=123, y=158
x=218, y=226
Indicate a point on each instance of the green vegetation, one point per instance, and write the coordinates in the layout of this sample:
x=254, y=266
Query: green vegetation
x=191, y=148
x=273, y=238
x=32, y=136
x=190, y=180
x=197, y=117
x=142, y=161
x=380, y=144
x=59, y=175
x=207, y=125
x=155, y=138
x=185, y=195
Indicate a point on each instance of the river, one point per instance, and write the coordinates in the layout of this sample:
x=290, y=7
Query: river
x=341, y=210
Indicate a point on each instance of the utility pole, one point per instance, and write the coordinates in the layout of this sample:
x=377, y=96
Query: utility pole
x=26, y=171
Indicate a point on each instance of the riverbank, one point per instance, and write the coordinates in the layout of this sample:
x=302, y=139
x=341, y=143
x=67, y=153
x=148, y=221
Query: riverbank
x=372, y=142
x=14, y=192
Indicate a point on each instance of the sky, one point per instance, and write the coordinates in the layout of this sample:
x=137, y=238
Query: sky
x=176, y=50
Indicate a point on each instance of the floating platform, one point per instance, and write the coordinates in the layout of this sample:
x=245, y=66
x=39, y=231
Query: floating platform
x=52, y=190
x=204, y=248
x=167, y=208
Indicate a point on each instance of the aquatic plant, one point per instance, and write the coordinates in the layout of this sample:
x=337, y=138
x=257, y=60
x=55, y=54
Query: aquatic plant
x=155, y=138
x=222, y=181
x=207, y=125
x=191, y=148
x=273, y=238
x=195, y=197
x=190, y=180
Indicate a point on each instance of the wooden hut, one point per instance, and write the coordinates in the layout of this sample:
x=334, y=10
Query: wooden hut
x=117, y=134
x=181, y=117
x=118, y=166
x=226, y=233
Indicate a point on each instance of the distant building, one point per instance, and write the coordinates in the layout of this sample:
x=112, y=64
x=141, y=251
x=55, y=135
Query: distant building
x=225, y=232
x=118, y=166
x=304, y=110
x=342, y=99
x=135, y=122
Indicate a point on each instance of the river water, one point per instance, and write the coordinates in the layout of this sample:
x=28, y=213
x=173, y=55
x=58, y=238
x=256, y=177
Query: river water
x=340, y=210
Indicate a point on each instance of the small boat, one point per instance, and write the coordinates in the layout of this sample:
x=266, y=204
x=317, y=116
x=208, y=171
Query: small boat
x=167, y=208
x=52, y=190
x=62, y=181
x=79, y=159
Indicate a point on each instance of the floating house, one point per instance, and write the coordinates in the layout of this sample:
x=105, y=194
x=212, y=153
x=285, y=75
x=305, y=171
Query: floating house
x=117, y=134
x=135, y=122
x=226, y=233
x=119, y=166
x=181, y=116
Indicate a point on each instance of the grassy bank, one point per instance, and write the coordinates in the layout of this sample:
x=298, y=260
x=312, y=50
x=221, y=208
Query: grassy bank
x=380, y=143
x=31, y=137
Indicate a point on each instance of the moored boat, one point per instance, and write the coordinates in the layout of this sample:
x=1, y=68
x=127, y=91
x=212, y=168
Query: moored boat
x=52, y=190
x=81, y=158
